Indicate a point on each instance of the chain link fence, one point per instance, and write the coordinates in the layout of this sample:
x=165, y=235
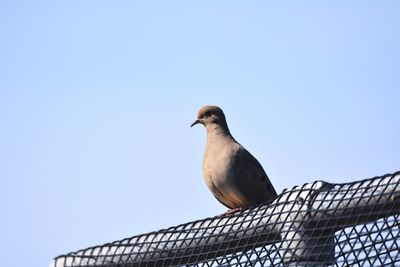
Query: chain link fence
x=317, y=224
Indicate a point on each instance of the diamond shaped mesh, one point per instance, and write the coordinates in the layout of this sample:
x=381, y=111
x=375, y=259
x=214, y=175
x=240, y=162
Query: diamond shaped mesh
x=317, y=224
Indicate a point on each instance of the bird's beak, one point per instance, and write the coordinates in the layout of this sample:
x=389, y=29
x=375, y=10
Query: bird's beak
x=195, y=122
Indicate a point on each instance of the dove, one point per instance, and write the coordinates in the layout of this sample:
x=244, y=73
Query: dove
x=233, y=175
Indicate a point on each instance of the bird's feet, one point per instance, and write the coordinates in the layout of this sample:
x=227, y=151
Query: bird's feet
x=231, y=212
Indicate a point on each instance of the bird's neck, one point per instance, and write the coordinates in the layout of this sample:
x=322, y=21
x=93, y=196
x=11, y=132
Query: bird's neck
x=215, y=130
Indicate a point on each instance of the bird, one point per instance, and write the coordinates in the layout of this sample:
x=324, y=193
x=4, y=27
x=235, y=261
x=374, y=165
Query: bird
x=232, y=174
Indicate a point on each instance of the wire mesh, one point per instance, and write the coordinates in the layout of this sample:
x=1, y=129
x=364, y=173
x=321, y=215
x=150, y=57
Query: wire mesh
x=317, y=224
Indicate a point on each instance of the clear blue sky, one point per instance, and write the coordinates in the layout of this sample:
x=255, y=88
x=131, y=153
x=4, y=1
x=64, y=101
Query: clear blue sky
x=96, y=99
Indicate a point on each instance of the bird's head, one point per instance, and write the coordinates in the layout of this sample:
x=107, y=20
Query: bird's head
x=209, y=115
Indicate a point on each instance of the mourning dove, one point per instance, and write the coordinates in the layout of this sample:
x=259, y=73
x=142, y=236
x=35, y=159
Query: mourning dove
x=231, y=173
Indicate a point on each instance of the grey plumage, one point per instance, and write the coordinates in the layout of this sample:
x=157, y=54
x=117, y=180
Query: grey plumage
x=231, y=173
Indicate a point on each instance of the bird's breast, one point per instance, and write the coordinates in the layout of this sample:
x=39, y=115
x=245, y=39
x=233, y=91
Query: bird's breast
x=218, y=165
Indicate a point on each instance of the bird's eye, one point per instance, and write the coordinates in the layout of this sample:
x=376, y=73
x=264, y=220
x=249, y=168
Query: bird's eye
x=207, y=114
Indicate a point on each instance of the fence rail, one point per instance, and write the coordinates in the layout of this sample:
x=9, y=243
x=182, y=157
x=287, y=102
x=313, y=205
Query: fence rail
x=317, y=224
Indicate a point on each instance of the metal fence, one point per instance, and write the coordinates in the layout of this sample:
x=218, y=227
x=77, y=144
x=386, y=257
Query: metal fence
x=317, y=224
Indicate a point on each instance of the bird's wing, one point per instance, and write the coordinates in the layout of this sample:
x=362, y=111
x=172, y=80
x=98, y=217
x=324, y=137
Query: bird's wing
x=252, y=179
